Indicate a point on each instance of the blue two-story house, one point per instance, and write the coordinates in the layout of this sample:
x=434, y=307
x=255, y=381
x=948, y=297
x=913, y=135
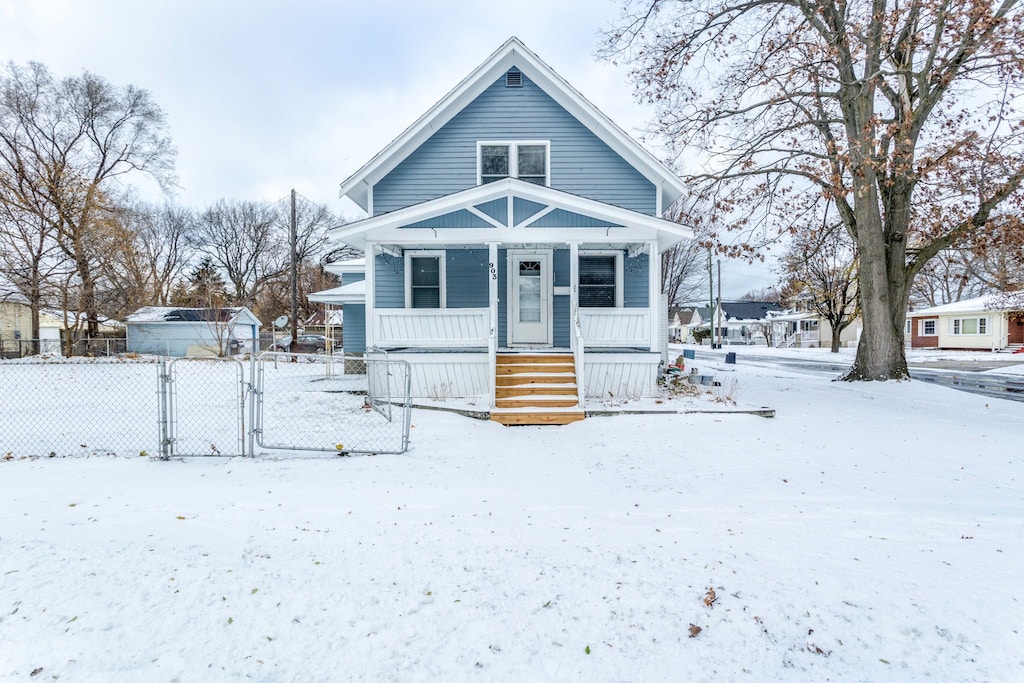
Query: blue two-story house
x=512, y=248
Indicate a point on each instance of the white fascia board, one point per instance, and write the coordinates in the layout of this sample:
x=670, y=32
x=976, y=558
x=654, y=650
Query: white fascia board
x=387, y=227
x=512, y=53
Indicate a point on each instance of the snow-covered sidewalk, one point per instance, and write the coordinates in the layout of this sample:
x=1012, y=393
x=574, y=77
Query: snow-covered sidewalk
x=868, y=532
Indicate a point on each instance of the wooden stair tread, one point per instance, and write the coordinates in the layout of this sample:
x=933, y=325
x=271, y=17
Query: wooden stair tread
x=536, y=388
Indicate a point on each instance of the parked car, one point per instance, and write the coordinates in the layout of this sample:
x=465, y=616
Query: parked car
x=306, y=343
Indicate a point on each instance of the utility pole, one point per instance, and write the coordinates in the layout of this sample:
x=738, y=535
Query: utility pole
x=295, y=279
x=719, y=309
x=711, y=302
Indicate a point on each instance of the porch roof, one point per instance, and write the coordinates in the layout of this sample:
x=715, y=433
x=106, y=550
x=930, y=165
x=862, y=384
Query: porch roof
x=352, y=293
x=511, y=211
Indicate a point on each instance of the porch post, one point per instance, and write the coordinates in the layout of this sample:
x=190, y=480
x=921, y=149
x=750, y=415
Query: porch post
x=574, y=294
x=492, y=343
x=654, y=295
x=576, y=341
x=371, y=312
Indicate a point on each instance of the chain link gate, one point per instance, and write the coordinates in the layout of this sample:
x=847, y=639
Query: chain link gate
x=308, y=403
x=202, y=405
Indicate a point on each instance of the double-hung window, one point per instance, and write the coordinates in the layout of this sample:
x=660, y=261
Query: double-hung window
x=424, y=279
x=527, y=161
x=600, y=279
x=928, y=328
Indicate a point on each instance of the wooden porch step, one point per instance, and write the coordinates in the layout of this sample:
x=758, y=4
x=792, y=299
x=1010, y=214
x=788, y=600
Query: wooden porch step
x=537, y=401
x=526, y=416
x=563, y=389
x=536, y=379
x=526, y=358
x=535, y=368
x=536, y=389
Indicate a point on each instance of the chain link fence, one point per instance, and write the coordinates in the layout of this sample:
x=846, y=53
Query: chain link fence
x=203, y=407
x=309, y=403
x=79, y=407
x=94, y=347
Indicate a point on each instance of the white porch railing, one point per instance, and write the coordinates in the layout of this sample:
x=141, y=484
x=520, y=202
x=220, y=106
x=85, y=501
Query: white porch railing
x=432, y=328
x=616, y=327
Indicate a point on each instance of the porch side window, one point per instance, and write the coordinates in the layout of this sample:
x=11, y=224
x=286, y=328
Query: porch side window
x=928, y=328
x=598, y=281
x=527, y=161
x=424, y=280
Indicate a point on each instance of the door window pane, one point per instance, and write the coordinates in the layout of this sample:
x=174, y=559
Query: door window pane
x=529, y=292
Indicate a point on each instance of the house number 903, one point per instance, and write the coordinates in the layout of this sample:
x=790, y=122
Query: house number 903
x=494, y=271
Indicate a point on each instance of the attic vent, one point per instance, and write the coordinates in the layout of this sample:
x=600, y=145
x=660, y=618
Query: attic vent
x=514, y=79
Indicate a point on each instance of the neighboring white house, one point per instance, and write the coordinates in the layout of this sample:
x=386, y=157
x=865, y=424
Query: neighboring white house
x=980, y=323
x=170, y=331
x=681, y=319
x=15, y=319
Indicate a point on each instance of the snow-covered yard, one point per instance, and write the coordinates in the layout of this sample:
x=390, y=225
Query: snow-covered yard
x=869, y=532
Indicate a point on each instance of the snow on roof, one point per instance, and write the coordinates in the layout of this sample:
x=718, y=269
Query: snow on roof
x=352, y=293
x=352, y=265
x=169, y=314
x=989, y=302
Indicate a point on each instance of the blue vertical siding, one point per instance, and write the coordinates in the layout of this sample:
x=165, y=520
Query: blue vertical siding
x=561, y=268
x=466, y=278
x=353, y=328
x=636, y=278
x=580, y=162
x=389, y=285
x=561, y=322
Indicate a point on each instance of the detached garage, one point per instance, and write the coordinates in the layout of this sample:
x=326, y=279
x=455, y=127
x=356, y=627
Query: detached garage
x=166, y=331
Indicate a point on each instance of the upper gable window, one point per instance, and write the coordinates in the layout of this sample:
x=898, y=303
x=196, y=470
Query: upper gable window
x=527, y=161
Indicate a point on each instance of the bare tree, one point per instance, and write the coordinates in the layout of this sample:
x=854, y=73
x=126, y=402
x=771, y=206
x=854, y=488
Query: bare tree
x=149, y=248
x=764, y=294
x=944, y=279
x=863, y=105
x=30, y=258
x=64, y=146
x=242, y=238
x=823, y=263
x=250, y=242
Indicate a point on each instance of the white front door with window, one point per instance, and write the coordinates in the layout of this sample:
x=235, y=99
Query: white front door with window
x=529, y=313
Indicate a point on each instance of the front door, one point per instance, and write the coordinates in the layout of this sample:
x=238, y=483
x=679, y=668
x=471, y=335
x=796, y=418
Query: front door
x=529, y=312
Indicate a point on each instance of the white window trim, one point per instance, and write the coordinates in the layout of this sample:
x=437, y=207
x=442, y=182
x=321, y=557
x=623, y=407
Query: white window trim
x=935, y=328
x=441, y=258
x=619, y=284
x=961, y=333
x=513, y=157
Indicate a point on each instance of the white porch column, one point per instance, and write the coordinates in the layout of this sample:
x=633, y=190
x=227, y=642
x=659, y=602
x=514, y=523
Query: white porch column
x=371, y=312
x=492, y=344
x=654, y=295
x=574, y=293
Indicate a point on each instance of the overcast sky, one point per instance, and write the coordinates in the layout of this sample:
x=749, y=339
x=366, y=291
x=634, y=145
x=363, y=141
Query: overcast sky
x=264, y=96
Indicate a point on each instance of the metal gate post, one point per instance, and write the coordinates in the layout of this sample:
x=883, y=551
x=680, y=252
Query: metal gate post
x=253, y=393
x=164, y=409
